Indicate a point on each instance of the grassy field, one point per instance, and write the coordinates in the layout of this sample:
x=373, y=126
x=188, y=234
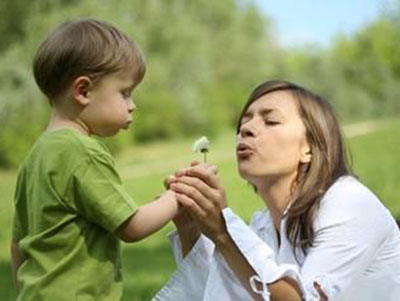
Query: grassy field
x=148, y=264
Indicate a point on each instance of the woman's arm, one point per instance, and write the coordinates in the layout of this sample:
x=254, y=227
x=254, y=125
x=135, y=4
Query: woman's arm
x=200, y=192
x=351, y=228
x=149, y=218
x=187, y=229
x=284, y=289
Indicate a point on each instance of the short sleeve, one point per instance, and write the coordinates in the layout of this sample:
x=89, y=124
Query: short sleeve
x=96, y=192
x=17, y=223
x=16, y=229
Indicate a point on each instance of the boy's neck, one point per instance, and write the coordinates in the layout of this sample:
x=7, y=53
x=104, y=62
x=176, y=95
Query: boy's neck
x=61, y=120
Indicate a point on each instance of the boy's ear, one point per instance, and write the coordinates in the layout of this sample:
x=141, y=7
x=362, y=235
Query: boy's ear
x=81, y=87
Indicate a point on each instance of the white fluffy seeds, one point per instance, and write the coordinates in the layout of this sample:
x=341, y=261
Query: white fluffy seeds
x=202, y=145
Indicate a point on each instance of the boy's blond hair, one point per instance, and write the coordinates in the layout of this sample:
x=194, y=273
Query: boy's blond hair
x=84, y=47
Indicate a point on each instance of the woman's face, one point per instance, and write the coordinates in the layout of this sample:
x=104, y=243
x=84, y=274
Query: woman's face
x=272, y=139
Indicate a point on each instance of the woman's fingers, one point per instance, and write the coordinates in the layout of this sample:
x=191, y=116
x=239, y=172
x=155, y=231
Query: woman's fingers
x=184, y=171
x=207, y=174
x=194, y=163
x=194, y=194
x=190, y=205
x=212, y=168
x=207, y=191
x=181, y=172
x=321, y=293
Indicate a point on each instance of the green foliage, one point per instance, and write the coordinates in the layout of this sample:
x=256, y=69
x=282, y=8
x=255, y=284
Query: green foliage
x=203, y=60
x=13, y=14
x=198, y=58
x=149, y=264
x=369, y=65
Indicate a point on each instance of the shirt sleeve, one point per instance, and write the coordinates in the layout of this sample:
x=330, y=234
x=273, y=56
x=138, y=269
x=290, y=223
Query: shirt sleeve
x=351, y=226
x=98, y=194
x=258, y=254
x=189, y=281
x=16, y=234
x=17, y=223
x=203, y=247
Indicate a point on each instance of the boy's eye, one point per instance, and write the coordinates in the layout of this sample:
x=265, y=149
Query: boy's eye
x=126, y=93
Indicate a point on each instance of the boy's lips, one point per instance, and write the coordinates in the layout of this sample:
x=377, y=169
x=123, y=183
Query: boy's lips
x=127, y=124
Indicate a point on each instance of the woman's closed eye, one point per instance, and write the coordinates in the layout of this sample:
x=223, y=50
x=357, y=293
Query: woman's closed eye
x=271, y=122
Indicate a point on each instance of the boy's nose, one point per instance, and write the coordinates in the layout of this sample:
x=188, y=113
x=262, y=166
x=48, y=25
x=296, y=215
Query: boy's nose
x=131, y=106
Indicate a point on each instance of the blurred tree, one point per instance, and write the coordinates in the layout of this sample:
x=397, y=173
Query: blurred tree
x=13, y=15
x=369, y=63
x=203, y=60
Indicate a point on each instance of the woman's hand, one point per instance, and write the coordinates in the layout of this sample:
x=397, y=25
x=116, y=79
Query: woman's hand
x=184, y=220
x=198, y=189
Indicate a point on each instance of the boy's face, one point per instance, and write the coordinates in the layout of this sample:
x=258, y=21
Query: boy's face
x=110, y=105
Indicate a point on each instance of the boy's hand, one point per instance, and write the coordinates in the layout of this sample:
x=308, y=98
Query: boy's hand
x=182, y=172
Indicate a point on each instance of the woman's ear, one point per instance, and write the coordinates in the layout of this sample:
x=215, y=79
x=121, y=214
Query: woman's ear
x=306, y=155
x=80, y=90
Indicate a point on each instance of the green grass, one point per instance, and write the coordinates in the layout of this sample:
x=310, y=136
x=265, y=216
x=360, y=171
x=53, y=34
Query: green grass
x=148, y=265
x=376, y=159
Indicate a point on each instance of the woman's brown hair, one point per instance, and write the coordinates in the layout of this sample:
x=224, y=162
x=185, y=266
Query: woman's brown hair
x=328, y=161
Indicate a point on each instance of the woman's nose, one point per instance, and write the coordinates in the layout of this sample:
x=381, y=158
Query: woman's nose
x=246, y=130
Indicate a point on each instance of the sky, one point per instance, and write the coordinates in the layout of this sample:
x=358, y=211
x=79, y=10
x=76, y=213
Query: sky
x=318, y=21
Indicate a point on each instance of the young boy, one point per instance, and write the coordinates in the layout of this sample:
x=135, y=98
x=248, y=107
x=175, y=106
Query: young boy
x=70, y=206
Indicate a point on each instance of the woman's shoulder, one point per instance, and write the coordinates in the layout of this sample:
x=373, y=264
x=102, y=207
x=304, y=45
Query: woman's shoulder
x=351, y=202
x=347, y=192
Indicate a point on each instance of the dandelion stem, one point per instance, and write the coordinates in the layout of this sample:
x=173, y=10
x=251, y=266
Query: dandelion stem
x=204, y=156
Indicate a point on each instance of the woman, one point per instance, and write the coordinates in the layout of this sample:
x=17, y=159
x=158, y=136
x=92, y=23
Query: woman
x=323, y=235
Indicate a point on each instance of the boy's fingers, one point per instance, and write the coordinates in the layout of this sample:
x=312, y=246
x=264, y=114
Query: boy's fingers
x=168, y=181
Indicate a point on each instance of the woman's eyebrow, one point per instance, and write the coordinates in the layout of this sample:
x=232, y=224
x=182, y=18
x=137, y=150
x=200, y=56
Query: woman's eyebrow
x=247, y=114
x=268, y=111
x=262, y=112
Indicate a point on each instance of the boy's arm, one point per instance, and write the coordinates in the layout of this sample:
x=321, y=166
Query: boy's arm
x=17, y=258
x=149, y=218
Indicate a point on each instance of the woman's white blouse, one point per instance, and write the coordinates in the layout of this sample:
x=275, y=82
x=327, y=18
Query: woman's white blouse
x=356, y=254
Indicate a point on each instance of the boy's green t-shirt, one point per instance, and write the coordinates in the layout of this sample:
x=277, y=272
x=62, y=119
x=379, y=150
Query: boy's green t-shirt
x=69, y=201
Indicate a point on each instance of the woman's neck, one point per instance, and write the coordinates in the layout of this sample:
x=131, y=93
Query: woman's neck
x=276, y=193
